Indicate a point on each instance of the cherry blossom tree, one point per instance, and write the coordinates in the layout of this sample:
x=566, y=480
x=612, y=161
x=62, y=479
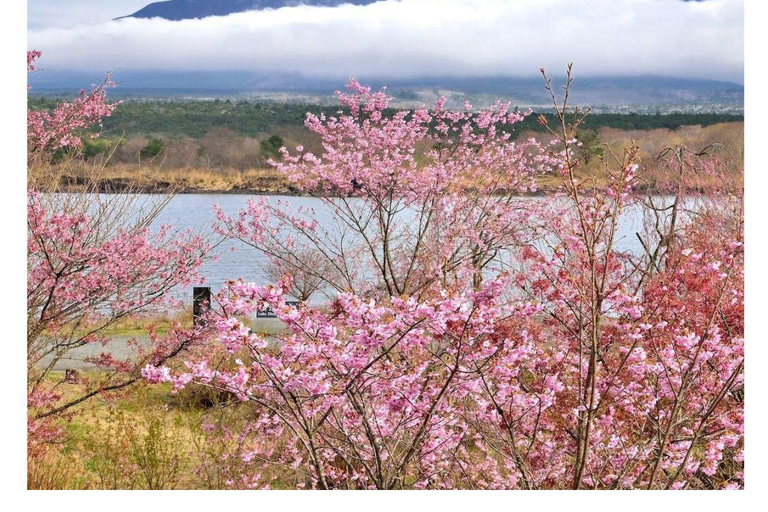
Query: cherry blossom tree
x=91, y=261
x=419, y=200
x=64, y=126
x=475, y=339
x=628, y=359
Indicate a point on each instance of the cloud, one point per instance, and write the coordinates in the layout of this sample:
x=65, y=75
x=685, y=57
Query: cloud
x=423, y=38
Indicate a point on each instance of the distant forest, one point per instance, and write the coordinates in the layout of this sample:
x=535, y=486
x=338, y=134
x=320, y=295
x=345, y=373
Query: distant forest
x=197, y=118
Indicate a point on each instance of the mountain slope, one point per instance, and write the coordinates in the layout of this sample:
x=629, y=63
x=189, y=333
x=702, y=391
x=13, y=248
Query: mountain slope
x=609, y=94
x=189, y=9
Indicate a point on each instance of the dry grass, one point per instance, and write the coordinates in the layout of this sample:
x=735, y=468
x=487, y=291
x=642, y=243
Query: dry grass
x=156, y=177
x=117, y=440
x=159, y=179
x=57, y=471
x=102, y=436
x=725, y=140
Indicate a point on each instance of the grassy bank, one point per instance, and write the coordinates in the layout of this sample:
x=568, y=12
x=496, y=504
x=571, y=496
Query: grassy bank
x=145, y=438
x=165, y=174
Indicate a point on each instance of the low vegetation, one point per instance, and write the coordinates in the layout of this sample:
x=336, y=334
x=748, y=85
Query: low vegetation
x=182, y=165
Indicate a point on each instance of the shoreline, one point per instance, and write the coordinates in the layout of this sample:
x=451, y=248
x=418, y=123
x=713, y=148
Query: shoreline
x=121, y=186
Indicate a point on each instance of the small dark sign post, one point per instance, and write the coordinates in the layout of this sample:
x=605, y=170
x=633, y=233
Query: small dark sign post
x=268, y=313
x=201, y=302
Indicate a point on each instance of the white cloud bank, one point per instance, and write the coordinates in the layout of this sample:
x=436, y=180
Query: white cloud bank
x=421, y=38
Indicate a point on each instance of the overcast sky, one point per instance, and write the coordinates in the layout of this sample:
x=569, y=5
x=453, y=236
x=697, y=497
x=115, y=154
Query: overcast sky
x=67, y=13
x=404, y=39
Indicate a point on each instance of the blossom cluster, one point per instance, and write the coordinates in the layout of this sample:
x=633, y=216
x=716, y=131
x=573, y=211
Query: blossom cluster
x=64, y=127
x=476, y=340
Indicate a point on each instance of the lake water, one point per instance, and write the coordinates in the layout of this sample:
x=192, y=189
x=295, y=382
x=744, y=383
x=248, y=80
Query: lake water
x=237, y=260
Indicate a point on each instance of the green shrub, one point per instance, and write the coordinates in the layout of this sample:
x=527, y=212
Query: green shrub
x=270, y=148
x=153, y=148
x=94, y=147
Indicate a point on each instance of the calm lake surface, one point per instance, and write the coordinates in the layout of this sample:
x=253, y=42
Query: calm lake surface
x=237, y=260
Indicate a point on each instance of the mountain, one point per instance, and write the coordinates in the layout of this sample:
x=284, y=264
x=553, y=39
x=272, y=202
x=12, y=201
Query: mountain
x=189, y=9
x=607, y=94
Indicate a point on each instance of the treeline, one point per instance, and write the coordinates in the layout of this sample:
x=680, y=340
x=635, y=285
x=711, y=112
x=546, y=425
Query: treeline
x=630, y=122
x=195, y=119
x=216, y=135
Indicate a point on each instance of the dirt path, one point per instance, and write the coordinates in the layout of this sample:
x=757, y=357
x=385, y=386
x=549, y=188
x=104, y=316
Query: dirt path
x=121, y=347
